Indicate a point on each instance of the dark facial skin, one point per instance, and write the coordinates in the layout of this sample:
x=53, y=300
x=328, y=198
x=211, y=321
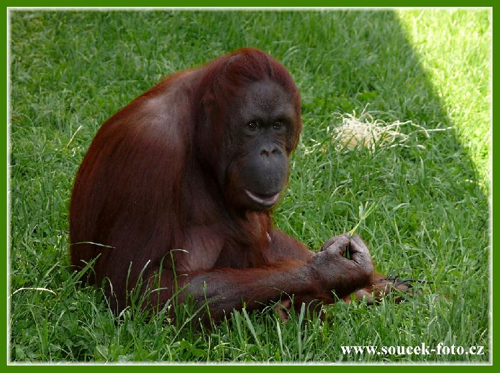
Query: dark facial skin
x=262, y=120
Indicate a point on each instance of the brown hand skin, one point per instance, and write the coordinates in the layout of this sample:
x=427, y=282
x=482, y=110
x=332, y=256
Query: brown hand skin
x=380, y=287
x=334, y=275
x=341, y=275
x=335, y=272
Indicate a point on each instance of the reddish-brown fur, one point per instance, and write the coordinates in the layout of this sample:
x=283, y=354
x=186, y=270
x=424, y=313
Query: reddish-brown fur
x=147, y=188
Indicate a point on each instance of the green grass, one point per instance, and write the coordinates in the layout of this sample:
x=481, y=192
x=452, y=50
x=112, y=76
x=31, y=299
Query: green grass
x=72, y=70
x=462, y=79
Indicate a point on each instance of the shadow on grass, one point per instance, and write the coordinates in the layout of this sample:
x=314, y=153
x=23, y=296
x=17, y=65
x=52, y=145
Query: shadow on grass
x=72, y=69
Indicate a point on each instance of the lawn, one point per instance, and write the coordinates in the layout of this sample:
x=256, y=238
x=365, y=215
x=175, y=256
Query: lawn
x=427, y=191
